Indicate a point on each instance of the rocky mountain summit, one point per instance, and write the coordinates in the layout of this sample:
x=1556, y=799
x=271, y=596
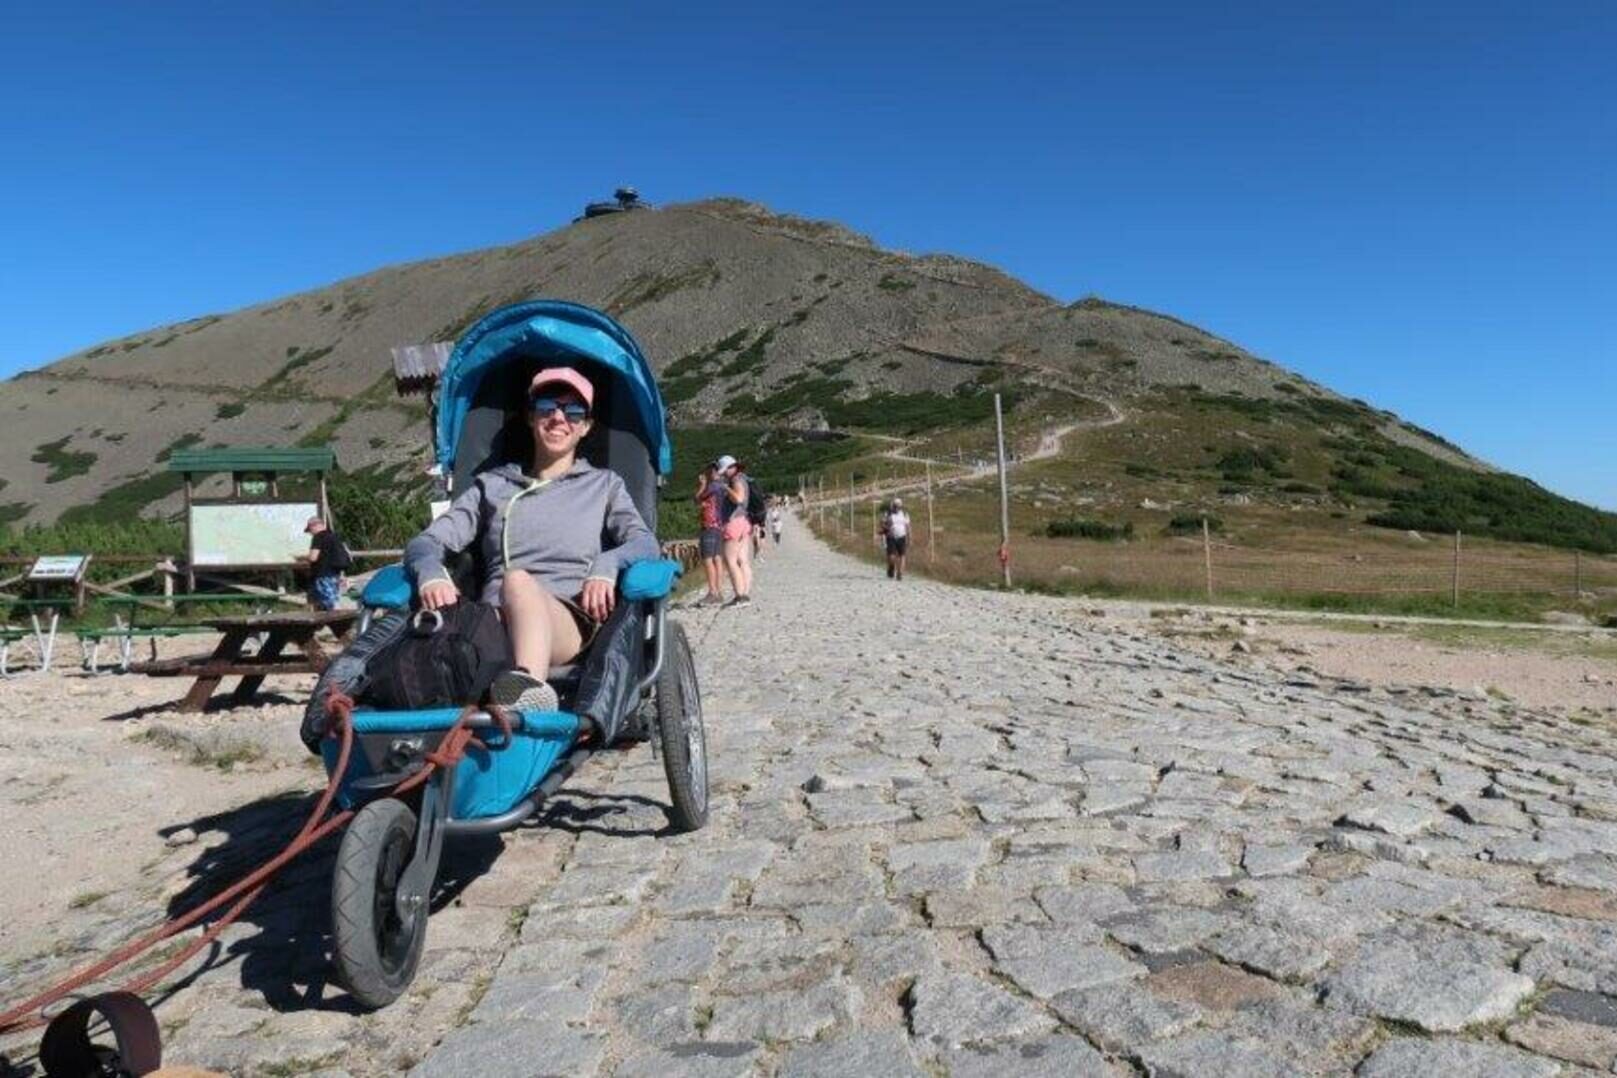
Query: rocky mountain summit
x=748, y=315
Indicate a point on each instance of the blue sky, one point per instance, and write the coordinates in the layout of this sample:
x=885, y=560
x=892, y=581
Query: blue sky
x=1412, y=203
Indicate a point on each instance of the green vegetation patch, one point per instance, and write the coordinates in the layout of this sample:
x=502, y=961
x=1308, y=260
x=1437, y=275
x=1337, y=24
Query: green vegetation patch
x=296, y=358
x=893, y=283
x=229, y=410
x=378, y=507
x=749, y=358
x=64, y=463
x=803, y=393
x=649, y=286
x=1191, y=524
x=184, y=441
x=1244, y=464
x=126, y=501
x=1079, y=528
x=1444, y=497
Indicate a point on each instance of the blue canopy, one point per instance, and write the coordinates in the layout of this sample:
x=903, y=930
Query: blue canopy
x=524, y=329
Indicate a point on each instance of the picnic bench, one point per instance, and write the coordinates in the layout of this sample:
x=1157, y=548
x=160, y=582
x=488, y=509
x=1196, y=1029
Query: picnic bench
x=228, y=658
x=125, y=629
x=44, y=615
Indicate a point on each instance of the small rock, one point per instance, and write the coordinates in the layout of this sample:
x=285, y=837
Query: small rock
x=183, y=837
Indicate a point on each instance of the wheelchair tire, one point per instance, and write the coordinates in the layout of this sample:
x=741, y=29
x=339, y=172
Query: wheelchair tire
x=377, y=953
x=680, y=730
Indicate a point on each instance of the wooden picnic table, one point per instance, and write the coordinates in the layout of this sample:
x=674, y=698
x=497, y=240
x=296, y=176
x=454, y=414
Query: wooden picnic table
x=295, y=627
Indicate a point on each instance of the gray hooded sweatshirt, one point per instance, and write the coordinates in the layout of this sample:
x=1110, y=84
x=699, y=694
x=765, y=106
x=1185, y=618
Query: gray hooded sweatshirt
x=580, y=525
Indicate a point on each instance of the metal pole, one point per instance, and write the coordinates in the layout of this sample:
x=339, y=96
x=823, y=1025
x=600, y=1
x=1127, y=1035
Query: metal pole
x=1207, y=557
x=931, y=532
x=1004, y=497
x=1455, y=577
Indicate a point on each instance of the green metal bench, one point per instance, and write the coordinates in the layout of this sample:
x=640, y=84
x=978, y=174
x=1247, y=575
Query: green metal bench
x=125, y=634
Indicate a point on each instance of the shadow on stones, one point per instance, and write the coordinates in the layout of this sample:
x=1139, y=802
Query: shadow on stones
x=578, y=811
x=220, y=703
x=283, y=942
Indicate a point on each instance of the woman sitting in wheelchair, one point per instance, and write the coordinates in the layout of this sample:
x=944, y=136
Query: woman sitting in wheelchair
x=551, y=538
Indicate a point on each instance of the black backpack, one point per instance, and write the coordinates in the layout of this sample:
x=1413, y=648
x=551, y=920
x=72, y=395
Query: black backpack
x=342, y=559
x=757, y=504
x=447, y=658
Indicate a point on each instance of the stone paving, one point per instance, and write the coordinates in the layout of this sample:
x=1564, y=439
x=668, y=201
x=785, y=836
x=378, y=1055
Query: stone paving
x=965, y=833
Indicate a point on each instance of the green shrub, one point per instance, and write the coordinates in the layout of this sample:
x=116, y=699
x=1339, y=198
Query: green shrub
x=230, y=410
x=1240, y=464
x=63, y=463
x=1077, y=528
x=1191, y=524
x=891, y=283
x=749, y=358
x=296, y=358
x=184, y=441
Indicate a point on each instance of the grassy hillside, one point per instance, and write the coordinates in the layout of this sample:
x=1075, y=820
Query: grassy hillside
x=765, y=328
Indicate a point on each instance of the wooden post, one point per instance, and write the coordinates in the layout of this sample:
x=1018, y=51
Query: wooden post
x=164, y=570
x=931, y=532
x=820, y=503
x=1004, y=497
x=1577, y=574
x=1454, y=579
x=852, y=531
x=1207, y=557
x=190, y=542
x=325, y=507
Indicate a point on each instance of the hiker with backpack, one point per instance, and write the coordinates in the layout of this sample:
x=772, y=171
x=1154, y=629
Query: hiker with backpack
x=737, y=528
x=757, y=514
x=328, y=560
x=551, y=537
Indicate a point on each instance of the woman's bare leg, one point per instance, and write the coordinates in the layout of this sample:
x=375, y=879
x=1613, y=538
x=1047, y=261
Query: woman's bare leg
x=711, y=567
x=543, y=632
x=735, y=564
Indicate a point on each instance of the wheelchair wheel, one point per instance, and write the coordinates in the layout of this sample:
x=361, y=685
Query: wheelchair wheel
x=377, y=950
x=679, y=728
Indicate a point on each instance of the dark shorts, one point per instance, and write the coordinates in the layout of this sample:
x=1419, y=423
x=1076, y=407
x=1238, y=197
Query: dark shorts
x=587, y=626
x=710, y=544
x=898, y=545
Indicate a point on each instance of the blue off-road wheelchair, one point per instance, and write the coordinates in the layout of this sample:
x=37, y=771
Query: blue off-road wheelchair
x=636, y=681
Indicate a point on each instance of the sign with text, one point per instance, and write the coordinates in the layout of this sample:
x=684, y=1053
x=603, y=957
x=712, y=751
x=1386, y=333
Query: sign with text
x=68, y=567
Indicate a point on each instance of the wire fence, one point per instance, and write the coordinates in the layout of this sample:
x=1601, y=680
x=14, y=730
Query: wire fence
x=1436, y=567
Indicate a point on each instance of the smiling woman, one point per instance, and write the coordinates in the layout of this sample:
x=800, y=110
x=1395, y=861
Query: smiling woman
x=546, y=563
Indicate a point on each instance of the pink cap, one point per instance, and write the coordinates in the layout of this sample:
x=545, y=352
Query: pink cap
x=564, y=376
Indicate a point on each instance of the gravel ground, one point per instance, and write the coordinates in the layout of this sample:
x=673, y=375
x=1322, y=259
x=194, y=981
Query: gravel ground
x=1564, y=672
x=957, y=832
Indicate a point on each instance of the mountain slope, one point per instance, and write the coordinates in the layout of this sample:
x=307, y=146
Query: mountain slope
x=749, y=317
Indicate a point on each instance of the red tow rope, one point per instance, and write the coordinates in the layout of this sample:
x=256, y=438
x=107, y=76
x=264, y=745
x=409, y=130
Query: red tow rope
x=28, y=1014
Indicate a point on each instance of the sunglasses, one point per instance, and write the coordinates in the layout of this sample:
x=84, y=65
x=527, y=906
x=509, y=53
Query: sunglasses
x=573, y=410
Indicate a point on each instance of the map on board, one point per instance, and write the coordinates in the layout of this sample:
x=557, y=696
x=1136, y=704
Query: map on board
x=265, y=534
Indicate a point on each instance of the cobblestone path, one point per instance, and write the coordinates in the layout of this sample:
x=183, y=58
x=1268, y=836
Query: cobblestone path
x=963, y=833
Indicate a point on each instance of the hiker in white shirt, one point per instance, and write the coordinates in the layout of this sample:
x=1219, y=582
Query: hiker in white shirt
x=777, y=520
x=895, y=526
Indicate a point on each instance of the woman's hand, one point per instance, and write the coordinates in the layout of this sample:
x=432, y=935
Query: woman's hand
x=437, y=594
x=597, y=598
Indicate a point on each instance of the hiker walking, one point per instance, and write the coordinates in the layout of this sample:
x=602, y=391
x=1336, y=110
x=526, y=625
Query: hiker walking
x=328, y=559
x=895, y=527
x=777, y=520
x=710, y=539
